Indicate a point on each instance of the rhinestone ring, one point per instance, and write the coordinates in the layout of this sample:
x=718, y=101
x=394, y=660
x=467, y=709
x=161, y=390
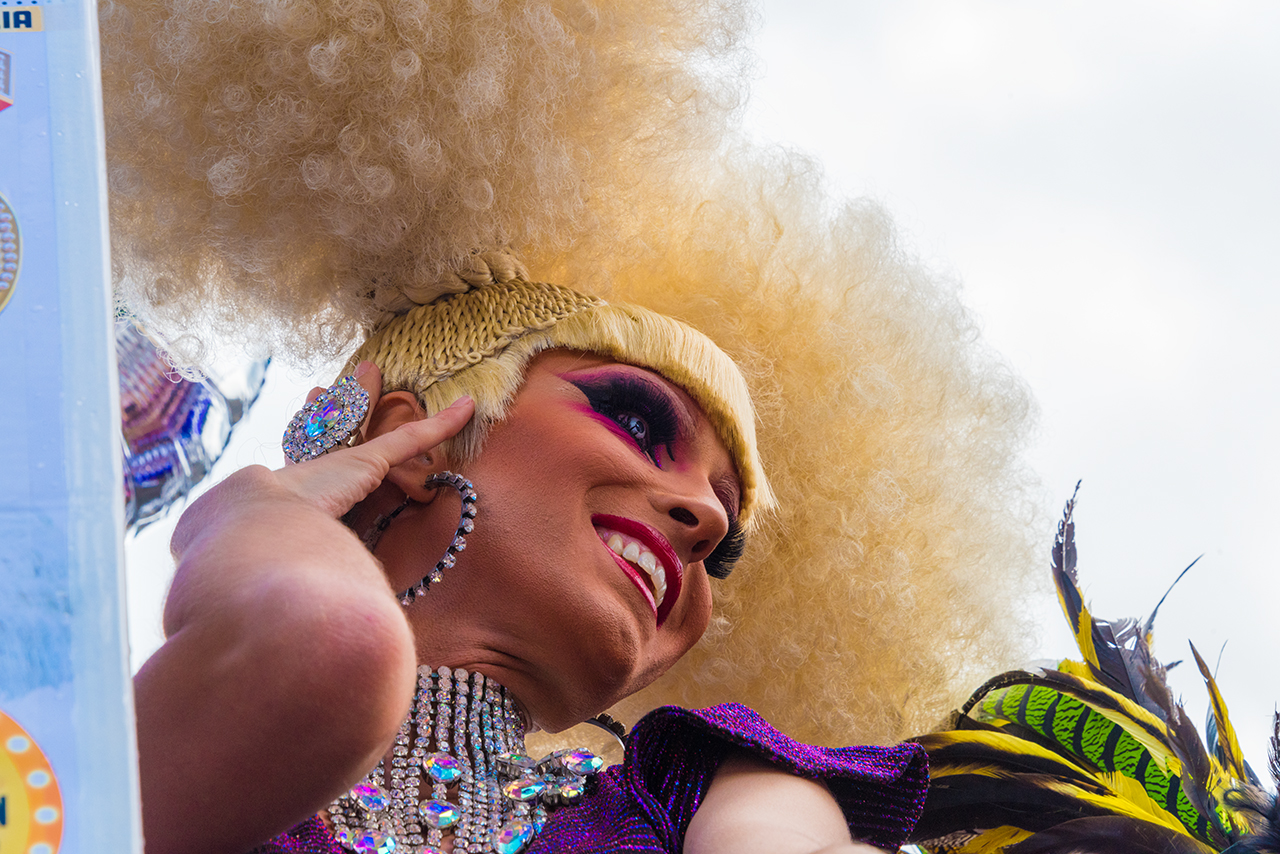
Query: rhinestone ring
x=329, y=420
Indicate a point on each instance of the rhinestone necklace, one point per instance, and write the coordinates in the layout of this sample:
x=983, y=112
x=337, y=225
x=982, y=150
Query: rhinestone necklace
x=502, y=795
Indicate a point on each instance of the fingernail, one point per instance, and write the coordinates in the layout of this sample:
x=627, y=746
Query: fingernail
x=363, y=368
x=465, y=399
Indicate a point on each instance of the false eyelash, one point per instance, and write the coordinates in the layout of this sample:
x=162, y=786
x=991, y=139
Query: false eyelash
x=616, y=395
x=728, y=552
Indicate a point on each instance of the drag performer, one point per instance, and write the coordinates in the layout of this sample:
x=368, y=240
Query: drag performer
x=521, y=508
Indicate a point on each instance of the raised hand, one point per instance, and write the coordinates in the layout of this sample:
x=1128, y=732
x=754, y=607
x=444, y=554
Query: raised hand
x=289, y=664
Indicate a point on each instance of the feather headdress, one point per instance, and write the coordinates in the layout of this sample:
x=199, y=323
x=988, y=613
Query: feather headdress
x=1095, y=756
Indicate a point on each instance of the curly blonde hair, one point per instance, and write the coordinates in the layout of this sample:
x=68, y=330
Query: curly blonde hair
x=294, y=171
x=893, y=577
x=312, y=161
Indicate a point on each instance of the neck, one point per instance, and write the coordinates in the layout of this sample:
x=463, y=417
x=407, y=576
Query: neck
x=464, y=742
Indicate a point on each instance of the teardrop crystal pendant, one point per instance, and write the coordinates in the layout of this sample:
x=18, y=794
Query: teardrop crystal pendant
x=439, y=814
x=442, y=768
x=581, y=762
x=373, y=842
x=513, y=836
x=371, y=797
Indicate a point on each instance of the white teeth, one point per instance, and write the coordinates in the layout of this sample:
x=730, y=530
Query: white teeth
x=633, y=552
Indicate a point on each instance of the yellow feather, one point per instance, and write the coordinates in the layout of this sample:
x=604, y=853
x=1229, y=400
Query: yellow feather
x=997, y=740
x=1117, y=805
x=1234, y=759
x=1078, y=669
x=1132, y=791
x=1127, y=797
x=993, y=841
x=1081, y=623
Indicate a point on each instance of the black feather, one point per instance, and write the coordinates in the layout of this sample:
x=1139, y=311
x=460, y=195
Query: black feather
x=1063, y=558
x=1149, y=625
x=1111, y=669
x=1264, y=810
x=1273, y=760
x=980, y=801
x=944, y=751
x=1110, y=834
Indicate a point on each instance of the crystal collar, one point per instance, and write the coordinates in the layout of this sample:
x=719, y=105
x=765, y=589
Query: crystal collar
x=482, y=786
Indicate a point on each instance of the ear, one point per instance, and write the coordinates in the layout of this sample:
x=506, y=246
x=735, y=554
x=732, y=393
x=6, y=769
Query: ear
x=393, y=410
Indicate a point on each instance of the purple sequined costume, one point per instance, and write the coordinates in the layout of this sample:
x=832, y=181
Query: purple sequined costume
x=645, y=804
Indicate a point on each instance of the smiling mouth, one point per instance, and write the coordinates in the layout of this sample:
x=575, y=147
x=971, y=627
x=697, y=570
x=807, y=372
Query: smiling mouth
x=646, y=557
x=638, y=555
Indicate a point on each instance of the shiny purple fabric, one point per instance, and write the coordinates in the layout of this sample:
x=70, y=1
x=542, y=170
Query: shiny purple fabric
x=645, y=804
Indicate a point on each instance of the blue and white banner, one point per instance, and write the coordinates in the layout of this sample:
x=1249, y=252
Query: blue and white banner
x=68, y=780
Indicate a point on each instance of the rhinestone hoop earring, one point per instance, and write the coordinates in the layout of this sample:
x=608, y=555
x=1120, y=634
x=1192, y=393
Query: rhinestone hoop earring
x=465, y=525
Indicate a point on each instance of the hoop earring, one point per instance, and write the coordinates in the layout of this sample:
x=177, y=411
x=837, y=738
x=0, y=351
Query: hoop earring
x=466, y=523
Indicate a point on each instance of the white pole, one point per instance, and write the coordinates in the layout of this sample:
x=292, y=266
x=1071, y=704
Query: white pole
x=67, y=756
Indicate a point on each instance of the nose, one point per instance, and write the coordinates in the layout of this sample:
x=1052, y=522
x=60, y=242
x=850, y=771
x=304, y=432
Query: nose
x=701, y=520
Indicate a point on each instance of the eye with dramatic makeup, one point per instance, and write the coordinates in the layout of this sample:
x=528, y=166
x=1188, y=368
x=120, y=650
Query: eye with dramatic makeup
x=639, y=408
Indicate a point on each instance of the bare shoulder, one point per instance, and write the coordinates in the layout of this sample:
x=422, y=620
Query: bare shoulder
x=754, y=806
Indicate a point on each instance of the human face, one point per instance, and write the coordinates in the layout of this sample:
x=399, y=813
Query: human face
x=592, y=452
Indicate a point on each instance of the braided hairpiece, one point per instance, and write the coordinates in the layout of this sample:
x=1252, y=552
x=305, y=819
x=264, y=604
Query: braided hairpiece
x=480, y=269
x=478, y=332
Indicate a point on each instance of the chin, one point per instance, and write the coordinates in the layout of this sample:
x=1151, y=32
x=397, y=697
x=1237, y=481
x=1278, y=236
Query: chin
x=587, y=698
x=578, y=696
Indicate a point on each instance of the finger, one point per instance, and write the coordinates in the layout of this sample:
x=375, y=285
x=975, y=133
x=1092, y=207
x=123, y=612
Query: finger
x=336, y=482
x=418, y=437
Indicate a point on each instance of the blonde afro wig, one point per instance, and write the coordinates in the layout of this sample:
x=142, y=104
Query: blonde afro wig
x=320, y=162
x=893, y=577
x=297, y=170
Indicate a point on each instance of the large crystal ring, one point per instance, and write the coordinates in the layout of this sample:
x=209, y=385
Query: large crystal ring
x=328, y=420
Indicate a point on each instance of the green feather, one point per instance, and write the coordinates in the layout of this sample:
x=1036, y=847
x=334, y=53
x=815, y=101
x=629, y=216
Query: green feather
x=1070, y=715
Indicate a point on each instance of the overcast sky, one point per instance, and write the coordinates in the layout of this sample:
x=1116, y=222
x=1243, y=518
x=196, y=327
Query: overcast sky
x=1102, y=177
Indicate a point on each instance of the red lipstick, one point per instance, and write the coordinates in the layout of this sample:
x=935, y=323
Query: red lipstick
x=662, y=550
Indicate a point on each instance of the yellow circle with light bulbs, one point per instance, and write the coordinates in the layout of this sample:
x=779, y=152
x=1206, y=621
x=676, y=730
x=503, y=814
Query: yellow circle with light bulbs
x=10, y=257
x=30, y=801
